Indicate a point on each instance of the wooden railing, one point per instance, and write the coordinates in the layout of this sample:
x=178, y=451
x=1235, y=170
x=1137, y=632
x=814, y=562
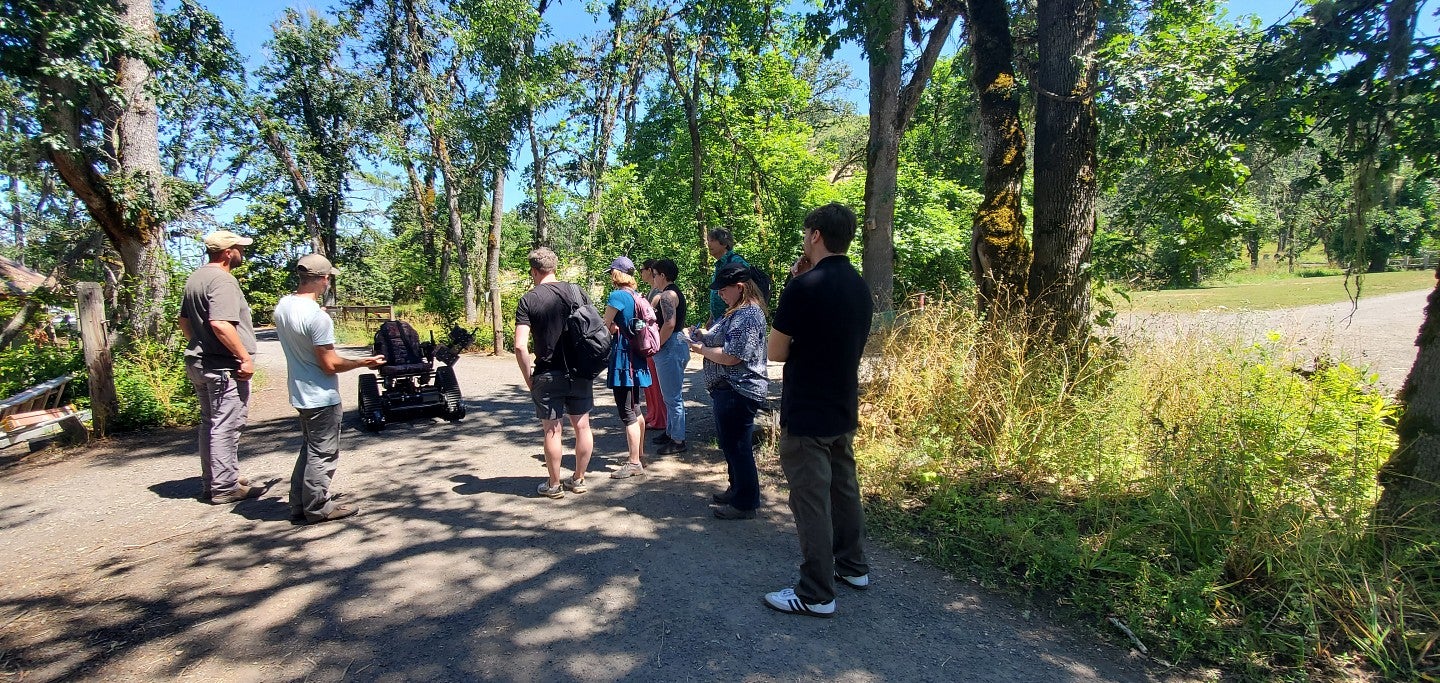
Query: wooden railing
x=1425, y=261
x=363, y=313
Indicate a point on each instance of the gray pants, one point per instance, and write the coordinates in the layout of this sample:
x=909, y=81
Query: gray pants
x=224, y=407
x=825, y=497
x=319, y=451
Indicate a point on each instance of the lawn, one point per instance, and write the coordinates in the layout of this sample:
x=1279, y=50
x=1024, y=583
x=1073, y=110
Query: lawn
x=1276, y=294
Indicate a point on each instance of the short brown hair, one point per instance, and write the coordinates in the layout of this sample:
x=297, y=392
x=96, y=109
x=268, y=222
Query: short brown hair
x=836, y=223
x=544, y=260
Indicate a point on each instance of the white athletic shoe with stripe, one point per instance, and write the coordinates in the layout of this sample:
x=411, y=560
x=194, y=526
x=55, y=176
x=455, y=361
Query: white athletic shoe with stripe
x=859, y=583
x=786, y=601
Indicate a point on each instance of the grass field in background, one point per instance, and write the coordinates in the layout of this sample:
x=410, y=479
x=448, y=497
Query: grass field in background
x=1272, y=294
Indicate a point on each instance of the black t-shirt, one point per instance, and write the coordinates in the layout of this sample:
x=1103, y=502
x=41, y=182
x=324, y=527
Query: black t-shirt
x=826, y=312
x=545, y=312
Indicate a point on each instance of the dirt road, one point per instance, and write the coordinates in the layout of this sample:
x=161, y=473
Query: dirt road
x=110, y=569
x=1379, y=333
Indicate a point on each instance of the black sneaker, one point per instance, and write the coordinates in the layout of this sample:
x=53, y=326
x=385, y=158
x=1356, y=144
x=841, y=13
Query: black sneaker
x=721, y=498
x=672, y=448
x=662, y=439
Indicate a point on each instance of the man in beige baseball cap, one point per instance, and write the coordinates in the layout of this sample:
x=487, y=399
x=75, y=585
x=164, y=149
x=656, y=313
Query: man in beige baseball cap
x=215, y=319
x=224, y=239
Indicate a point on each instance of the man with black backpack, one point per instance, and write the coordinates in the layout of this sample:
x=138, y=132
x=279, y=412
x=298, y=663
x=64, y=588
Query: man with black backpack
x=550, y=317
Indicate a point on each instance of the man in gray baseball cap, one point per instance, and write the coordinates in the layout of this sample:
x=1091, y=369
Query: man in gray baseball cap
x=307, y=335
x=215, y=319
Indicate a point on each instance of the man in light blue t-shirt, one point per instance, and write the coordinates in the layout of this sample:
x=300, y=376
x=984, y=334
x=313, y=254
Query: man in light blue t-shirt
x=307, y=336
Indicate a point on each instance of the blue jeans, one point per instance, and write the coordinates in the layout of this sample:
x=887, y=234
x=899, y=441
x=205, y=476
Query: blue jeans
x=734, y=427
x=670, y=366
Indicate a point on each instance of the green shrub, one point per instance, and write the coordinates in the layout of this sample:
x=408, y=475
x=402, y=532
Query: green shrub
x=26, y=364
x=152, y=387
x=1203, y=492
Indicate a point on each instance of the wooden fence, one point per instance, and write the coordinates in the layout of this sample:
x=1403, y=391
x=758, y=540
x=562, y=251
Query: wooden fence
x=1425, y=261
x=363, y=313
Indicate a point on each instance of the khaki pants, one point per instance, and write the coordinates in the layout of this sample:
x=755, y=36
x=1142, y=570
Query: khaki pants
x=825, y=497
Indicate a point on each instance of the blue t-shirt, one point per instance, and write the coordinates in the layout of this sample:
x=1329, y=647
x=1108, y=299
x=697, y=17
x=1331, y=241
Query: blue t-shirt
x=625, y=369
x=301, y=326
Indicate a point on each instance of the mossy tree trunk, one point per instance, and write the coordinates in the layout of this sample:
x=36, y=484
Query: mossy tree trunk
x=1065, y=174
x=122, y=186
x=999, y=253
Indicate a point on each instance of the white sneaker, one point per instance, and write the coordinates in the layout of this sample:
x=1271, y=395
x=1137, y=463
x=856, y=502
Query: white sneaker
x=859, y=583
x=786, y=601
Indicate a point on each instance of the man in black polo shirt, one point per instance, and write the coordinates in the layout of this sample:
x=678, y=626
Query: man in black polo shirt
x=821, y=326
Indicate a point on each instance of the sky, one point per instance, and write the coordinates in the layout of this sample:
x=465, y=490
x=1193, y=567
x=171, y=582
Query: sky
x=248, y=22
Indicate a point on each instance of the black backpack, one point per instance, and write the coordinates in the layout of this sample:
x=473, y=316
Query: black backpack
x=762, y=281
x=585, y=344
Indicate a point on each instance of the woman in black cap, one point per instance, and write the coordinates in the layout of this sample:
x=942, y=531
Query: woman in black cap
x=628, y=375
x=734, y=352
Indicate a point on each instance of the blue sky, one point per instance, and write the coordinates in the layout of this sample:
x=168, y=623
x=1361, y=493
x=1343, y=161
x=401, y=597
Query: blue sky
x=249, y=24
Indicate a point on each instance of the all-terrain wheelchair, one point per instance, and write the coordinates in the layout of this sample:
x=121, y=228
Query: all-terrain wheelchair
x=403, y=387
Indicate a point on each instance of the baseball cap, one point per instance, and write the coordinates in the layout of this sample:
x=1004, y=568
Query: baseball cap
x=224, y=239
x=729, y=274
x=624, y=265
x=315, y=264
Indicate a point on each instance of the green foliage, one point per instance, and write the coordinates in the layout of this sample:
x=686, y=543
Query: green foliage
x=26, y=364
x=1207, y=494
x=152, y=387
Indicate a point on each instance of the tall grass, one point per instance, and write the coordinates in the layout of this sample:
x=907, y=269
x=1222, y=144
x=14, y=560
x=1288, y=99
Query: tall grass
x=1200, y=490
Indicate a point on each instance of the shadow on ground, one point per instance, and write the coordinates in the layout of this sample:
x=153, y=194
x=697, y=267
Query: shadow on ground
x=456, y=571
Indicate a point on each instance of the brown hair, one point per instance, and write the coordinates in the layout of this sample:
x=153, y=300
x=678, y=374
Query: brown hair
x=750, y=294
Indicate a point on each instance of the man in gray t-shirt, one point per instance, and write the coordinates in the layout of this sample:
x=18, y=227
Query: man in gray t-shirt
x=307, y=335
x=215, y=320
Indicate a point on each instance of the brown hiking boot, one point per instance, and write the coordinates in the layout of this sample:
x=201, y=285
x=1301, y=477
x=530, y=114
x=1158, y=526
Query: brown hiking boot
x=338, y=512
x=238, y=494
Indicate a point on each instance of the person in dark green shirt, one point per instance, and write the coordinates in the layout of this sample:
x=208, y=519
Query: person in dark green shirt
x=722, y=249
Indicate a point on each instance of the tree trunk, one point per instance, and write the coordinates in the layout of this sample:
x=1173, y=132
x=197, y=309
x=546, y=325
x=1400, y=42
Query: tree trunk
x=1000, y=256
x=1411, y=479
x=537, y=182
x=457, y=228
x=492, y=258
x=17, y=217
x=690, y=100
x=424, y=210
x=886, y=48
x=892, y=104
x=1065, y=174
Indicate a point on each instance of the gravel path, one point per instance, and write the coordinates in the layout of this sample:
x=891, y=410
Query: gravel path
x=111, y=570
x=1378, y=334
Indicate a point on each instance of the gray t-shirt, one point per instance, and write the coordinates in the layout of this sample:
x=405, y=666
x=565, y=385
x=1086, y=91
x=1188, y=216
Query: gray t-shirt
x=211, y=293
x=302, y=326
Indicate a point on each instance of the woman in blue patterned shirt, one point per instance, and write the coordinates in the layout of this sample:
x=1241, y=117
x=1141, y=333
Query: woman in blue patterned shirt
x=734, y=352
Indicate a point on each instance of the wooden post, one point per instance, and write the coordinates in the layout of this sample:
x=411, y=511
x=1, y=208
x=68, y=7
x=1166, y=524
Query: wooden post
x=103, y=404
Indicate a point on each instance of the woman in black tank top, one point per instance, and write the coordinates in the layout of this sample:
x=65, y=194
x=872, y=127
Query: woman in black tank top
x=673, y=357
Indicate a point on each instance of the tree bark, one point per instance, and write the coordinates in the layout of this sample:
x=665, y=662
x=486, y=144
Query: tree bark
x=1411, y=478
x=492, y=258
x=1065, y=173
x=885, y=42
x=1000, y=256
x=690, y=100
x=892, y=104
x=131, y=212
x=537, y=182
